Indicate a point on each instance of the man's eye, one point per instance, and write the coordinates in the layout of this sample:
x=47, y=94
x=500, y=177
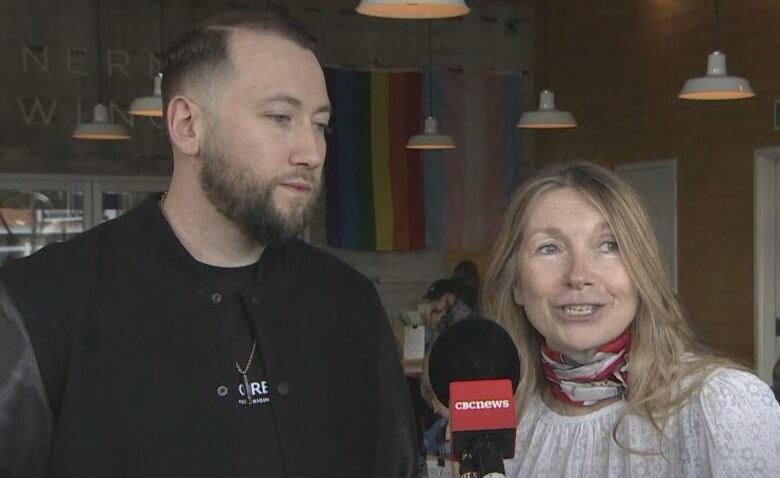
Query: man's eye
x=280, y=119
x=323, y=128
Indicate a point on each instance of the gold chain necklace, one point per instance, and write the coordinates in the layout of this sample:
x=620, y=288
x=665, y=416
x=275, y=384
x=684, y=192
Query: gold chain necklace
x=248, y=361
x=244, y=377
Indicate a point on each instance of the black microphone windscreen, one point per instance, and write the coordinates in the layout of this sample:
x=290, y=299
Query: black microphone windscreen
x=472, y=349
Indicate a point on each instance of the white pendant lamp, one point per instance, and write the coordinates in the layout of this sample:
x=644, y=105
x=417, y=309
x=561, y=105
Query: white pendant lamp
x=717, y=84
x=149, y=105
x=413, y=10
x=430, y=138
x=152, y=105
x=547, y=117
x=101, y=127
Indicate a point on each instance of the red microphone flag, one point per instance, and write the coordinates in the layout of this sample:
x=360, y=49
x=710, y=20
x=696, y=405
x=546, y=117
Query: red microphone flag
x=480, y=406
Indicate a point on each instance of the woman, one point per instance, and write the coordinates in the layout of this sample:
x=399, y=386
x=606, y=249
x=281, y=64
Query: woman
x=613, y=381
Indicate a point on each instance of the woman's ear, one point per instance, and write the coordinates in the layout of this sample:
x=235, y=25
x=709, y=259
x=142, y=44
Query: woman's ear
x=517, y=294
x=184, y=125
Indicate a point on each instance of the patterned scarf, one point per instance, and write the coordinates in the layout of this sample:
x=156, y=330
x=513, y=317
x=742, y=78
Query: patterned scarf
x=585, y=384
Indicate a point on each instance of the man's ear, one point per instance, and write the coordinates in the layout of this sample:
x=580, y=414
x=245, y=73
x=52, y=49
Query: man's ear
x=185, y=121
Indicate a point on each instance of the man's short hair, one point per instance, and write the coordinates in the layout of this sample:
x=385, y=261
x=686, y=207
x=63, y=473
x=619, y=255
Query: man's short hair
x=202, y=54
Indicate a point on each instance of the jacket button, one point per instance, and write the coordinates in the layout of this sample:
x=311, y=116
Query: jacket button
x=255, y=301
x=222, y=391
x=216, y=297
x=283, y=388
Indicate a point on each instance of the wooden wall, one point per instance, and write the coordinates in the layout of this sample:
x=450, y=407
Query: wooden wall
x=618, y=66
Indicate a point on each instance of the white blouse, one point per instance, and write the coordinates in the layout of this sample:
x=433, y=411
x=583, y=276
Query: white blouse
x=731, y=428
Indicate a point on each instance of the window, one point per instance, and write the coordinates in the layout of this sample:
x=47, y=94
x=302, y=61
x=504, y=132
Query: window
x=36, y=210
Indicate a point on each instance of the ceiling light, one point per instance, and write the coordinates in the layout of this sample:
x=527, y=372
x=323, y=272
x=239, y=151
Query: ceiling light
x=101, y=127
x=149, y=105
x=716, y=84
x=413, y=10
x=430, y=138
x=547, y=117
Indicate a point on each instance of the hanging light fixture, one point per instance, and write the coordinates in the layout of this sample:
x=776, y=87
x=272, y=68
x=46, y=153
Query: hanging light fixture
x=546, y=117
x=717, y=84
x=152, y=105
x=149, y=105
x=413, y=10
x=101, y=127
x=430, y=138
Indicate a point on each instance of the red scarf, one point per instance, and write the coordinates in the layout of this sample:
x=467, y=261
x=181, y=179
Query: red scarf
x=585, y=384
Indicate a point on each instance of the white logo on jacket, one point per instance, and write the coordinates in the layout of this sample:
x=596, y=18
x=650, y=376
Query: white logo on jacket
x=258, y=393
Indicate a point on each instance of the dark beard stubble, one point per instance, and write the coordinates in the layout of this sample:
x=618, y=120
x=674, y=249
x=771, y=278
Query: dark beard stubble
x=249, y=205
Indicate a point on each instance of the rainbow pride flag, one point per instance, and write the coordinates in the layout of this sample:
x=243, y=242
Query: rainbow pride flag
x=381, y=196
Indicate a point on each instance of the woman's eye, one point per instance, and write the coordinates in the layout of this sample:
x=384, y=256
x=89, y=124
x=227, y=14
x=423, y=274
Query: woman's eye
x=547, y=249
x=322, y=128
x=609, y=247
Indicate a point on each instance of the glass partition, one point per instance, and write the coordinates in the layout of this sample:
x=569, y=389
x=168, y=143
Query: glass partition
x=38, y=210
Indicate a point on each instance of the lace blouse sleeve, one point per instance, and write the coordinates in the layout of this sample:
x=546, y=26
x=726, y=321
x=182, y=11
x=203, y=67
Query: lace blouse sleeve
x=742, y=420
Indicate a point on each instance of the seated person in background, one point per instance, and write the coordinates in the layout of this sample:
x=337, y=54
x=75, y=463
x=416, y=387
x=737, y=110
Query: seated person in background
x=467, y=274
x=614, y=383
x=445, y=299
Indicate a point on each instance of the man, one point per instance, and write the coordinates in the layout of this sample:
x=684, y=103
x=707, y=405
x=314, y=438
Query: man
x=195, y=336
x=446, y=300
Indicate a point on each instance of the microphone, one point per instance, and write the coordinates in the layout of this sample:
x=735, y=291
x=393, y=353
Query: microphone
x=474, y=369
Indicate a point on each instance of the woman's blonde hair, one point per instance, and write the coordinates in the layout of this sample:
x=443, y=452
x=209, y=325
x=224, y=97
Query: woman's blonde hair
x=664, y=356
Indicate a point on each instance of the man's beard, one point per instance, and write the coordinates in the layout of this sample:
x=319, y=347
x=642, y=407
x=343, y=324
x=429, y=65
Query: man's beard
x=248, y=203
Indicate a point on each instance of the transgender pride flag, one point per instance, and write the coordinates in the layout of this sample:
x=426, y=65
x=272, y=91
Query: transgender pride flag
x=381, y=196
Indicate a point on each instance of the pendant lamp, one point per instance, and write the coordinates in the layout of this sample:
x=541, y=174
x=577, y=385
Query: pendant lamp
x=149, y=105
x=546, y=117
x=717, y=84
x=152, y=105
x=101, y=127
x=413, y=10
x=430, y=138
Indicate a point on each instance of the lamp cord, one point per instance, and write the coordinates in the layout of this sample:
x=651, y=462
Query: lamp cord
x=162, y=37
x=430, y=72
x=546, y=74
x=99, y=52
x=717, y=25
